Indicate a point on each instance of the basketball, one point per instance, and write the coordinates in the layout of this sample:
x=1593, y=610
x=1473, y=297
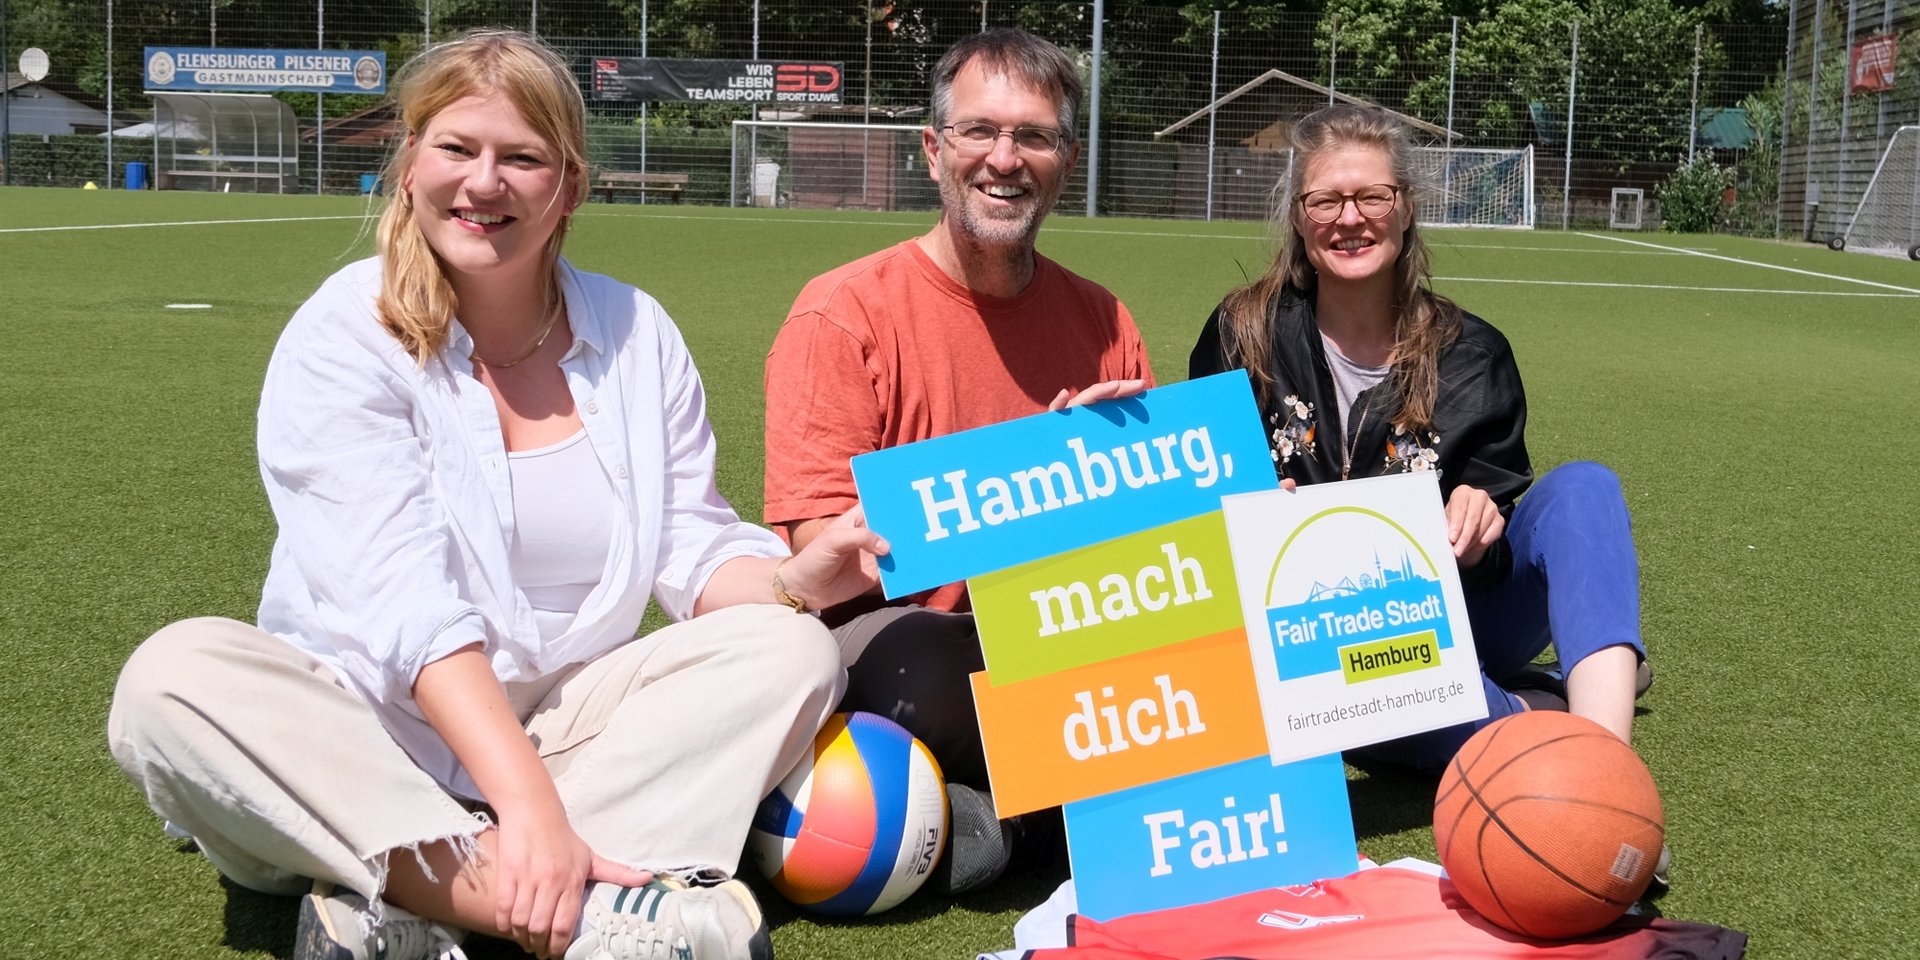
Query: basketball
x=859, y=823
x=1548, y=825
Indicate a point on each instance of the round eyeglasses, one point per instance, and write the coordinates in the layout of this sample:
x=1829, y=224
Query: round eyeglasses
x=975, y=137
x=1374, y=201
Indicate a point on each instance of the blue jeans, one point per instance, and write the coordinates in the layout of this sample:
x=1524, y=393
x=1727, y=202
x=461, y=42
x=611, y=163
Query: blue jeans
x=1575, y=584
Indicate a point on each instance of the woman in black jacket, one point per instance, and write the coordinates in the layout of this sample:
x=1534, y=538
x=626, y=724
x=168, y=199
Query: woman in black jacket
x=1362, y=370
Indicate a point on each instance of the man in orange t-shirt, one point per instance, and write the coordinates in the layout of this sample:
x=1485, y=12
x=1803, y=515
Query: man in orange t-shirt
x=960, y=328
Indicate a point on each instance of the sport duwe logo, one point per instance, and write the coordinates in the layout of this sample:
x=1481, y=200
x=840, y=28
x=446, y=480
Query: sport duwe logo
x=1352, y=592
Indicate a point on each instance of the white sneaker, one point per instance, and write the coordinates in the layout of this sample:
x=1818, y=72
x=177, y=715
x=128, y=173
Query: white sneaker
x=662, y=922
x=336, y=924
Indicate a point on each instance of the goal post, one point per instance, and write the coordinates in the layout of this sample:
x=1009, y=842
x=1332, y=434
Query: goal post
x=1888, y=218
x=836, y=166
x=1478, y=187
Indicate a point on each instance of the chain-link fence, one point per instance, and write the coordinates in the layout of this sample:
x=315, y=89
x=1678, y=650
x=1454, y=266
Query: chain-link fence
x=1851, y=79
x=1192, y=105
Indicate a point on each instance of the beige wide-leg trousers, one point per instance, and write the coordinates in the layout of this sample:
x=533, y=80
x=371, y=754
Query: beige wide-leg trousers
x=661, y=749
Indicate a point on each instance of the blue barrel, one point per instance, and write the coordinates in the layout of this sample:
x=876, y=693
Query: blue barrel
x=136, y=176
x=369, y=183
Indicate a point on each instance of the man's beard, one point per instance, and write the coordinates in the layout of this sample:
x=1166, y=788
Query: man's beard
x=1019, y=224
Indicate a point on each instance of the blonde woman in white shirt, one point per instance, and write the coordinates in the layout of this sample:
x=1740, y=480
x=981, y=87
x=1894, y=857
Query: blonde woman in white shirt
x=483, y=462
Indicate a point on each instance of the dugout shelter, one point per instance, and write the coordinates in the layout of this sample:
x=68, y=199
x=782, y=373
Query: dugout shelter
x=224, y=142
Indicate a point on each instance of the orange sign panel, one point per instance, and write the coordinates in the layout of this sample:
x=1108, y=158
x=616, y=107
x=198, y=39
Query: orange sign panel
x=1120, y=723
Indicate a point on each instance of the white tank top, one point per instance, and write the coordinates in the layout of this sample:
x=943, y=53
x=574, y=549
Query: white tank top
x=563, y=509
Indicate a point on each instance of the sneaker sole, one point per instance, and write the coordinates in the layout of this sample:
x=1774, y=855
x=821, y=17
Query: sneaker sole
x=760, y=945
x=316, y=937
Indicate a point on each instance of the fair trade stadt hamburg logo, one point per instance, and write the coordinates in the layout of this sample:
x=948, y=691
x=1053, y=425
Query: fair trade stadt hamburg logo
x=1352, y=592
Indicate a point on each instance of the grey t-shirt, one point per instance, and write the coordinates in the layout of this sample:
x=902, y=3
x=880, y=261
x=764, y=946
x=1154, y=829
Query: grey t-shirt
x=1350, y=378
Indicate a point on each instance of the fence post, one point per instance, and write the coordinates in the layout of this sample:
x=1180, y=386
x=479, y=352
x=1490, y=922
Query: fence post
x=426, y=32
x=1810, y=216
x=6, y=130
x=1693, y=109
x=1213, y=114
x=1786, y=119
x=1453, y=58
x=643, y=106
x=1093, y=112
x=866, y=118
x=1333, y=56
x=1886, y=26
x=753, y=135
x=1846, y=112
x=213, y=25
x=319, y=111
x=1573, y=87
x=109, y=93
x=533, y=24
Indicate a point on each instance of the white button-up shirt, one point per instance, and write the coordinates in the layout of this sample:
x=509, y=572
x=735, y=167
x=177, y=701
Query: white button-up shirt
x=395, y=506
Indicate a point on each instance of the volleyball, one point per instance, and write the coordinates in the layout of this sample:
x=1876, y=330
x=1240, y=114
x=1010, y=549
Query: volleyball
x=859, y=823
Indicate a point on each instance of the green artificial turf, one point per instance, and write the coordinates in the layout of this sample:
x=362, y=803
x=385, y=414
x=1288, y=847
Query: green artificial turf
x=1760, y=436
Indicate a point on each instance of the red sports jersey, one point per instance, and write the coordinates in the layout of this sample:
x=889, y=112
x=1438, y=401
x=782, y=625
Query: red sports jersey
x=1382, y=914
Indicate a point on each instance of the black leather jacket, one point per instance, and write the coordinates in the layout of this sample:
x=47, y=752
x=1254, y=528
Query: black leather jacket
x=1479, y=418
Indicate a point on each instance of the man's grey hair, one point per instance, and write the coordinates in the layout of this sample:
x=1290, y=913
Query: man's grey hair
x=1017, y=54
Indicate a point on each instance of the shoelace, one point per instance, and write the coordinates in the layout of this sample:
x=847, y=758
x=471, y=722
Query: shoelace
x=628, y=937
x=420, y=938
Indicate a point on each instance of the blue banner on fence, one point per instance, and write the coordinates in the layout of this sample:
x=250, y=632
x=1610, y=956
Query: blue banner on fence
x=967, y=503
x=260, y=71
x=1211, y=834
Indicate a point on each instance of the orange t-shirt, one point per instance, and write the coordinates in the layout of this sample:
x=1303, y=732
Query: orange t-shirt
x=889, y=350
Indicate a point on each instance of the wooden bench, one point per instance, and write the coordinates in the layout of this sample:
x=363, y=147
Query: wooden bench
x=219, y=167
x=643, y=183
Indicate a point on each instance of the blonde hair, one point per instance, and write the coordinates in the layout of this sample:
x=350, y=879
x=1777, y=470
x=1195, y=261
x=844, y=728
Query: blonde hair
x=1424, y=322
x=417, y=301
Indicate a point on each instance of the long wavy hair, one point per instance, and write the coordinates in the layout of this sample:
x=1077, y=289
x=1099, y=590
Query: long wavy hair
x=1424, y=322
x=417, y=301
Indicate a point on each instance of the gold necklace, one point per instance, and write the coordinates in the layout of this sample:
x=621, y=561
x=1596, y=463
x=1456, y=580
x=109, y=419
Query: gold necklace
x=553, y=317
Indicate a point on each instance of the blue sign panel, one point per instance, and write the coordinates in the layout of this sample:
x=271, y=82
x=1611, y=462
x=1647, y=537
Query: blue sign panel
x=1312, y=637
x=998, y=496
x=1211, y=834
x=263, y=71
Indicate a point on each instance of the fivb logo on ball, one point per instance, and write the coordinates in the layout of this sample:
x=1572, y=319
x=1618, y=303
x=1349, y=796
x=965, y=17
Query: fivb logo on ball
x=1358, y=628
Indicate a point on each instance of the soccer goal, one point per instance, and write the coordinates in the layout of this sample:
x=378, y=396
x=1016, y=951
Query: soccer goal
x=834, y=166
x=1478, y=188
x=1888, y=218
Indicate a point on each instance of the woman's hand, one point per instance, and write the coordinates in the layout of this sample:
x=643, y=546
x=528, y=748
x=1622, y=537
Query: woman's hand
x=1107, y=390
x=1474, y=523
x=541, y=867
x=541, y=877
x=838, y=564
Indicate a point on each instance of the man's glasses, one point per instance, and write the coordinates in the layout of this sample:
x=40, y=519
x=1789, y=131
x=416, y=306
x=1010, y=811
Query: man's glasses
x=1373, y=201
x=975, y=137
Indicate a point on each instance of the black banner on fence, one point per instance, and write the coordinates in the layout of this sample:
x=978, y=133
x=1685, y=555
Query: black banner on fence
x=716, y=81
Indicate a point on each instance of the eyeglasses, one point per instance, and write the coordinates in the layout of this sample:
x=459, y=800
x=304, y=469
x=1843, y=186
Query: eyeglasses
x=975, y=137
x=1374, y=201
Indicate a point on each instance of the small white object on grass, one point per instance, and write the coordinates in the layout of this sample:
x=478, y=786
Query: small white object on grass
x=189, y=306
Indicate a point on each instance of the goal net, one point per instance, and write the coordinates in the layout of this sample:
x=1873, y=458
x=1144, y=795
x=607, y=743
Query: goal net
x=1888, y=219
x=1478, y=188
x=835, y=166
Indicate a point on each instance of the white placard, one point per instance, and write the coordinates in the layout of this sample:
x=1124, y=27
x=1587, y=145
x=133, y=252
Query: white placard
x=1355, y=618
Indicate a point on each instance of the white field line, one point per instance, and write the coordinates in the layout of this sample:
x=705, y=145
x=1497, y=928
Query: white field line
x=1663, y=286
x=1756, y=263
x=174, y=223
x=1438, y=244
x=1443, y=245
